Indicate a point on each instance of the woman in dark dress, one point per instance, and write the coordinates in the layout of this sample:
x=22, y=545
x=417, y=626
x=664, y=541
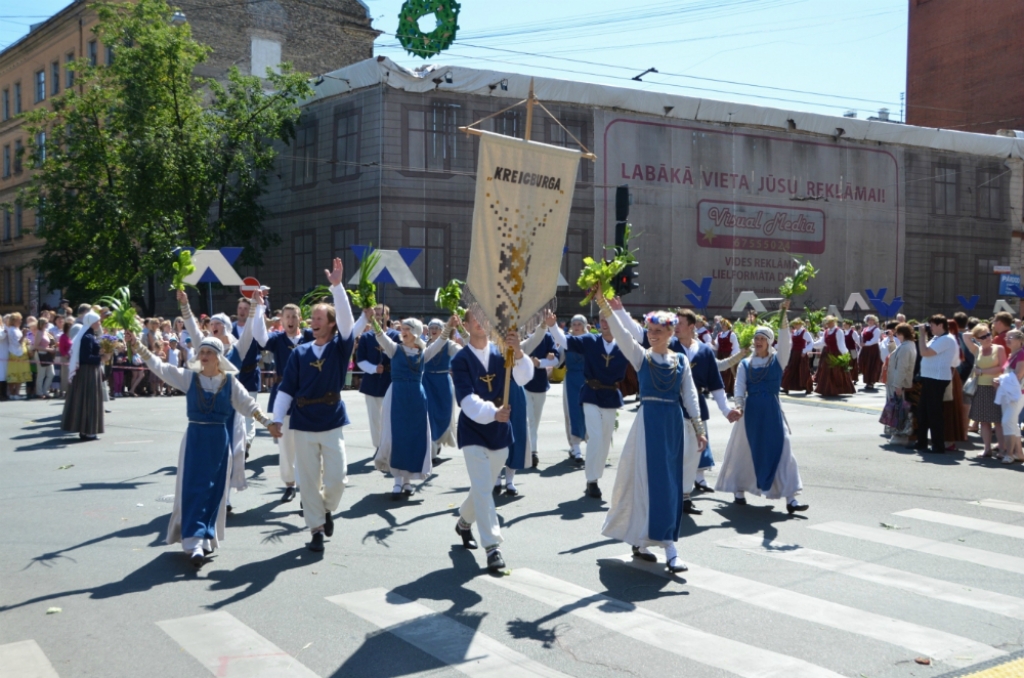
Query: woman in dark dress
x=83, y=407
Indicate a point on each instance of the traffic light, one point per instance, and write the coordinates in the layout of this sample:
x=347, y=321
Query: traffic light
x=625, y=281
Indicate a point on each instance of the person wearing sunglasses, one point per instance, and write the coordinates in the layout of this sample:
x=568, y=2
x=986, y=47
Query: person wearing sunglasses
x=989, y=359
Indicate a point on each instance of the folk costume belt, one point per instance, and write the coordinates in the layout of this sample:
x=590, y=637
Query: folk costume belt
x=599, y=386
x=652, y=399
x=332, y=398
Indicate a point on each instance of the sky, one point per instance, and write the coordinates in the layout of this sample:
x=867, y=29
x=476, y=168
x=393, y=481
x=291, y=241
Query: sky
x=823, y=56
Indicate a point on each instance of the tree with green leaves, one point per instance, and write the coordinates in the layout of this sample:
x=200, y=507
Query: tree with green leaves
x=147, y=157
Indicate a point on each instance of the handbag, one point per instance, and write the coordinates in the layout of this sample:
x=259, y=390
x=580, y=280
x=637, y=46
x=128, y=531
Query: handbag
x=971, y=385
x=890, y=413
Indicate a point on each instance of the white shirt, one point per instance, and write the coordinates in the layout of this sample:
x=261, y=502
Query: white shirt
x=875, y=337
x=937, y=366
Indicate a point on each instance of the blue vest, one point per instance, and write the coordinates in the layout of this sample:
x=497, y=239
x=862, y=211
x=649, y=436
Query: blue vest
x=540, y=383
x=372, y=384
x=607, y=368
x=249, y=369
x=470, y=377
x=281, y=347
x=307, y=378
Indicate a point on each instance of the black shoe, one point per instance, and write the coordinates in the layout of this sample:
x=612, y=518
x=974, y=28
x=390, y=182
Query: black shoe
x=741, y=501
x=329, y=524
x=302, y=513
x=675, y=565
x=497, y=490
x=317, y=544
x=511, y=491
x=467, y=537
x=536, y=462
x=793, y=508
x=688, y=507
x=206, y=553
x=247, y=453
x=289, y=494
x=593, y=490
x=197, y=561
x=231, y=511
x=702, y=487
x=915, y=446
x=395, y=496
x=407, y=490
x=649, y=557
x=495, y=563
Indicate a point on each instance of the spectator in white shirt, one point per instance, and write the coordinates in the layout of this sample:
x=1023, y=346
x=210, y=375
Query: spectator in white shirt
x=936, y=358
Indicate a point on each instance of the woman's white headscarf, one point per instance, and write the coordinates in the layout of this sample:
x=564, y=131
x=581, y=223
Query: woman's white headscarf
x=213, y=343
x=768, y=334
x=76, y=344
x=416, y=327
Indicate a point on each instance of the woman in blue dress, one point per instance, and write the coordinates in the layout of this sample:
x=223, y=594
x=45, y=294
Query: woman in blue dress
x=405, y=440
x=759, y=456
x=213, y=397
x=437, y=382
x=647, y=500
x=575, y=424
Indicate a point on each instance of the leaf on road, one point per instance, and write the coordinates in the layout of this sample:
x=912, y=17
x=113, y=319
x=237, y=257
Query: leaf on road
x=923, y=661
x=53, y=610
x=307, y=645
x=65, y=466
x=892, y=526
x=828, y=430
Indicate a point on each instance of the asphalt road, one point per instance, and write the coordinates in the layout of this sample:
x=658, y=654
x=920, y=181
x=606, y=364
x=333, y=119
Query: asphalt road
x=895, y=560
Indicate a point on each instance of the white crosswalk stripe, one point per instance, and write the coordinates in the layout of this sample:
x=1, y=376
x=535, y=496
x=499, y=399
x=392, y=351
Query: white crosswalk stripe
x=25, y=659
x=999, y=504
x=900, y=539
x=657, y=630
x=946, y=647
x=988, y=601
x=230, y=649
x=975, y=524
x=455, y=644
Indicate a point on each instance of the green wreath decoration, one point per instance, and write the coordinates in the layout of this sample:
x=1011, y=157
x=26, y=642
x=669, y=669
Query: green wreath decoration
x=426, y=45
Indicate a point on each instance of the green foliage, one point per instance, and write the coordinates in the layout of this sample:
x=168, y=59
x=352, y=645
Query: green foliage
x=319, y=294
x=745, y=331
x=813, y=320
x=796, y=284
x=449, y=297
x=604, y=272
x=842, y=361
x=183, y=268
x=122, y=314
x=365, y=296
x=146, y=157
x=426, y=45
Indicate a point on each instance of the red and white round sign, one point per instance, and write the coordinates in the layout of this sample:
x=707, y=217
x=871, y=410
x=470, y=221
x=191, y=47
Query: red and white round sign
x=249, y=287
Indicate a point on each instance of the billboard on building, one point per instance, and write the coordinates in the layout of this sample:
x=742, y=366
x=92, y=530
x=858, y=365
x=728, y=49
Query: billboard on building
x=736, y=204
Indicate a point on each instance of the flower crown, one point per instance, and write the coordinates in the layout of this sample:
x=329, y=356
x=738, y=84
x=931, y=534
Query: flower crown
x=663, y=318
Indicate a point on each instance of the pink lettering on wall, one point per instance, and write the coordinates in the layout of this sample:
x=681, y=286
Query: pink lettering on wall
x=766, y=228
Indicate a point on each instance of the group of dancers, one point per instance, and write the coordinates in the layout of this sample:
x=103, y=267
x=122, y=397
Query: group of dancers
x=411, y=388
x=836, y=339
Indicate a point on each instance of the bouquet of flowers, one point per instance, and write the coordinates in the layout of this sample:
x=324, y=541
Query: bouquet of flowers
x=796, y=284
x=365, y=296
x=183, y=268
x=603, y=272
x=448, y=298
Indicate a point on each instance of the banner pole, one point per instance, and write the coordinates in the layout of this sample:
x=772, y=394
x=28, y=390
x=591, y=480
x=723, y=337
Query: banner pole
x=530, y=99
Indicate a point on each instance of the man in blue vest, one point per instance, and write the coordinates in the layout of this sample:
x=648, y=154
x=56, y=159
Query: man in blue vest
x=376, y=367
x=542, y=351
x=311, y=388
x=484, y=432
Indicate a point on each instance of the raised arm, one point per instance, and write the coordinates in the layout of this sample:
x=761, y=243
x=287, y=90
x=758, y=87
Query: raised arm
x=785, y=345
x=386, y=343
x=177, y=377
x=190, y=321
x=629, y=346
x=442, y=342
x=255, y=326
x=633, y=326
x=342, y=308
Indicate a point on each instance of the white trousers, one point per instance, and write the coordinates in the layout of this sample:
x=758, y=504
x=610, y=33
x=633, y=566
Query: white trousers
x=374, y=409
x=534, y=408
x=250, y=425
x=286, y=451
x=483, y=466
x=44, y=377
x=323, y=471
x=600, y=428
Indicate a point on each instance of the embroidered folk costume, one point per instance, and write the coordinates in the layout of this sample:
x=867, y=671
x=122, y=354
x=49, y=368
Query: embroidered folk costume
x=832, y=380
x=870, y=354
x=281, y=344
x=727, y=345
x=797, y=375
x=572, y=407
x=437, y=382
x=376, y=367
x=83, y=406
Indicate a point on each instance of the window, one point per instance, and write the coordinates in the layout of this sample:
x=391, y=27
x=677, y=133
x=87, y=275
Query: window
x=55, y=78
x=7, y=161
x=40, y=148
x=8, y=285
x=18, y=216
x=19, y=287
x=17, y=98
x=342, y=239
x=264, y=54
x=303, y=261
x=18, y=152
x=40, y=86
x=93, y=52
x=6, y=105
x=109, y=55
x=945, y=189
x=7, y=224
x=304, y=160
x=986, y=282
x=431, y=139
x=577, y=246
x=509, y=123
x=69, y=73
x=943, y=279
x=990, y=204
x=431, y=266
x=346, y=144
x=557, y=136
x=39, y=215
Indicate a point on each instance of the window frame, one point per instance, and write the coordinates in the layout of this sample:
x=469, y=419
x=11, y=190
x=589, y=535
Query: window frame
x=309, y=276
x=93, y=52
x=423, y=260
x=571, y=273
x=942, y=283
x=944, y=170
x=556, y=136
x=69, y=72
x=19, y=286
x=19, y=152
x=17, y=98
x=304, y=159
x=7, y=166
x=988, y=184
x=55, y=78
x=19, y=219
x=8, y=285
x=5, y=105
x=448, y=133
x=8, y=232
x=340, y=172
x=345, y=253
x=40, y=148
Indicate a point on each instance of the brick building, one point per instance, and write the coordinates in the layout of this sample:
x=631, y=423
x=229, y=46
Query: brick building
x=252, y=36
x=965, y=65
x=379, y=159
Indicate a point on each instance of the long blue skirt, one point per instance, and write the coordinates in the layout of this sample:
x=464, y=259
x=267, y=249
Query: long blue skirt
x=207, y=451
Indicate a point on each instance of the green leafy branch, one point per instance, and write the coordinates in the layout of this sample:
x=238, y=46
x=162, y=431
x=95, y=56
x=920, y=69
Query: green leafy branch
x=365, y=295
x=449, y=297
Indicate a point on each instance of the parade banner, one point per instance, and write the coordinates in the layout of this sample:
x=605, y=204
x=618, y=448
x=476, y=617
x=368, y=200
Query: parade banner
x=523, y=196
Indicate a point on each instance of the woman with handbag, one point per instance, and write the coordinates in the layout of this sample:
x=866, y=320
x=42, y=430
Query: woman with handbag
x=989, y=360
x=1014, y=454
x=899, y=379
x=955, y=428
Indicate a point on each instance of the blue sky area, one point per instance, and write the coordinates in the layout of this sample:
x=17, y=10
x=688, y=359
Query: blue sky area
x=825, y=56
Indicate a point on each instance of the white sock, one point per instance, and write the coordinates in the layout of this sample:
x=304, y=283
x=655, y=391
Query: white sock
x=576, y=451
x=510, y=476
x=397, y=488
x=670, y=551
x=197, y=551
x=792, y=501
x=700, y=476
x=738, y=495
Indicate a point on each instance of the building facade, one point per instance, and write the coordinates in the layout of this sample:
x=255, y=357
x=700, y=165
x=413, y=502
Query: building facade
x=965, y=65
x=720, y=190
x=34, y=70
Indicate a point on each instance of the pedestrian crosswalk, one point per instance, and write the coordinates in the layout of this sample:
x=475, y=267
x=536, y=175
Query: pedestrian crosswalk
x=225, y=645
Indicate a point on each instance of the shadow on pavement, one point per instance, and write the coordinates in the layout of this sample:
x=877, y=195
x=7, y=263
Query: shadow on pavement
x=258, y=575
x=574, y=509
x=105, y=486
x=156, y=527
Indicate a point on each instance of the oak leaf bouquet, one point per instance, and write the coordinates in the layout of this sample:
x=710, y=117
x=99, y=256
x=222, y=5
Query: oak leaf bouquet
x=365, y=295
x=603, y=272
x=183, y=268
x=796, y=284
x=449, y=297
x=122, y=315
